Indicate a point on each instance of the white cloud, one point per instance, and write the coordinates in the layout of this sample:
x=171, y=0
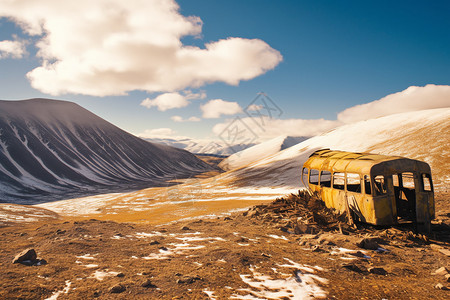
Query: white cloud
x=411, y=99
x=177, y=119
x=180, y=119
x=158, y=132
x=272, y=128
x=13, y=49
x=166, y=101
x=191, y=95
x=217, y=107
x=111, y=47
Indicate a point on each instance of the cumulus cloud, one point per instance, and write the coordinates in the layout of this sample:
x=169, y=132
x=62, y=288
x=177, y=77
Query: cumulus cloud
x=272, y=128
x=111, y=47
x=12, y=49
x=157, y=132
x=412, y=99
x=217, y=107
x=180, y=119
x=166, y=101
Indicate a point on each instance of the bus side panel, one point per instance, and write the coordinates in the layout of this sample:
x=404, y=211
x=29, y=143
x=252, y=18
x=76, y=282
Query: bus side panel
x=327, y=197
x=383, y=210
x=359, y=207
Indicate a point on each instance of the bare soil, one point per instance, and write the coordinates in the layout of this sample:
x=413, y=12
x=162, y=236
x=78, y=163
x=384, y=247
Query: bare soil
x=242, y=255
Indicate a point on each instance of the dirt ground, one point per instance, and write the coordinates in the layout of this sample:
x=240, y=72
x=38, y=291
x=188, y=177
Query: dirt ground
x=284, y=250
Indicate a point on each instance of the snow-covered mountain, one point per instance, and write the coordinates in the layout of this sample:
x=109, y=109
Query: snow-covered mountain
x=49, y=148
x=423, y=135
x=259, y=151
x=201, y=146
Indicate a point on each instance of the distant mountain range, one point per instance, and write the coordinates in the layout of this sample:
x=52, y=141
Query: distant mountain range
x=260, y=151
x=51, y=148
x=200, y=146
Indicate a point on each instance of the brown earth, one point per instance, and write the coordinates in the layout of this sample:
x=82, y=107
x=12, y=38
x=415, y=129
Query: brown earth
x=289, y=243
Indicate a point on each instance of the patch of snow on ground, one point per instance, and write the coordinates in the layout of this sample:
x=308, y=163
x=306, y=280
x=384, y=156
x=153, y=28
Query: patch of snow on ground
x=86, y=256
x=177, y=249
x=100, y=275
x=278, y=237
x=56, y=294
x=302, y=285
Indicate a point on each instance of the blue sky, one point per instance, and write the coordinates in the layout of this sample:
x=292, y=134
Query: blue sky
x=335, y=55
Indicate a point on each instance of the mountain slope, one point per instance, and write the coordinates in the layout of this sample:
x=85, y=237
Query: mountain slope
x=259, y=151
x=422, y=135
x=51, y=147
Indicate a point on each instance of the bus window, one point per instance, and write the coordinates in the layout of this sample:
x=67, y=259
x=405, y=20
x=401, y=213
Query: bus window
x=367, y=187
x=305, y=175
x=395, y=181
x=427, y=184
x=353, y=183
x=325, y=178
x=314, y=176
x=339, y=181
x=380, y=185
x=408, y=180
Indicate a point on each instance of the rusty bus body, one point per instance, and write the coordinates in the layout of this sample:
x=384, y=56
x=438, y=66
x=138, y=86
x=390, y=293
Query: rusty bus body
x=376, y=189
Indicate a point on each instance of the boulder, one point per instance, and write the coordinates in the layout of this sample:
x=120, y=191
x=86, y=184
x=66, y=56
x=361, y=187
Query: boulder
x=368, y=243
x=148, y=284
x=27, y=256
x=118, y=288
x=379, y=271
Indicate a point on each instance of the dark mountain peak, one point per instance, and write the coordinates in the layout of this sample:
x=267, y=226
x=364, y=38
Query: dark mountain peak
x=53, y=147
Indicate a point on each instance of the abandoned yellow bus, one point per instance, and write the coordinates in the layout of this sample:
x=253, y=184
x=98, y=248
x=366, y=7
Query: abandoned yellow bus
x=376, y=189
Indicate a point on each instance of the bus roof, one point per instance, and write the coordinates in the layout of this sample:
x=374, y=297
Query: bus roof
x=362, y=163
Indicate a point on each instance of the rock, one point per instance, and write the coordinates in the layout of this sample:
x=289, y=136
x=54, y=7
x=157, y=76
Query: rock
x=358, y=254
x=440, y=286
x=185, y=228
x=440, y=271
x=435, y=247
x=120, y=275
x=148, y=284
x=241, y=240
x=188, y=279
x=118, y=288
x=379, y=271
x=154, y=242
x=445, y=251
x=26, y=256
x=284, y=229
x=352, y=267
x=227, y=219
x=447, y=276
x=252, y=213
x=368, y=243
x=163, y=248
x=317, y=248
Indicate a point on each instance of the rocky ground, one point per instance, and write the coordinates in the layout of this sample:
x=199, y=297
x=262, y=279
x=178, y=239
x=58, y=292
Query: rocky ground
x=293, y=248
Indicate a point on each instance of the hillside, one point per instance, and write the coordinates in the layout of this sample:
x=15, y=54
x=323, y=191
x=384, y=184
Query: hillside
x=50, y=149
x=259, y=151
